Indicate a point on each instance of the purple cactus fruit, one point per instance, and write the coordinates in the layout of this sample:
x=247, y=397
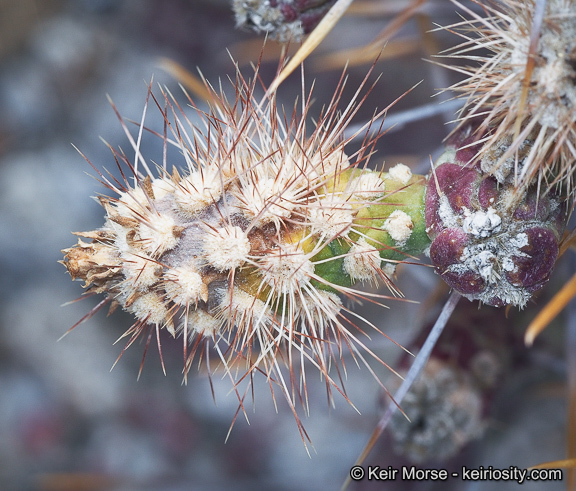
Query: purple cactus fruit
x=489, y=241
x=283, y=20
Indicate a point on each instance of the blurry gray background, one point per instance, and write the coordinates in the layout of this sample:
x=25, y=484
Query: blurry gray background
x=66, y=421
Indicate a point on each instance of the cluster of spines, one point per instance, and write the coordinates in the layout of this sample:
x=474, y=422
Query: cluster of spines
x=254, y=244
x=520, y=87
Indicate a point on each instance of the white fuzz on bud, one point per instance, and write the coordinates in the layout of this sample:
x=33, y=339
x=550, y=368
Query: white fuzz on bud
x=249, y=313
x=266, y=199
x=362, y=261
x=389, y=269
x=184, y=286
x=151, y=308
x=327, y=164
x=286, y=269
x=203, y=324
x=140, y=271
x=158, y=234
x=197, y=191
x=368, y=186
x=130, y=204
x=331, y=217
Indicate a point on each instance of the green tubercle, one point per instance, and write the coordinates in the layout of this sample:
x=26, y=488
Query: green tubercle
x=392, y=222
x=329, y=264
x=407, y=198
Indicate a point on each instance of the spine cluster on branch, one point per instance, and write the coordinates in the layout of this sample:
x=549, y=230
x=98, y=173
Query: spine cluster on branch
x=254, y=241
x=519, y=87
x=256, y=238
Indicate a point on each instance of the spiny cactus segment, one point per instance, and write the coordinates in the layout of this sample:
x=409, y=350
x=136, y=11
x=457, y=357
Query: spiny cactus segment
x=255, y=240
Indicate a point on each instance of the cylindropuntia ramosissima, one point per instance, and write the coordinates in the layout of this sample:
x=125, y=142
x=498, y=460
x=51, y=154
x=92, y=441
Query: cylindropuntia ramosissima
x=255, y=242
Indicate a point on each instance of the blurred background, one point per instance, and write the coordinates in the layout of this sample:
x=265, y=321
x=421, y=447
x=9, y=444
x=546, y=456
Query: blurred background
x=69, y=423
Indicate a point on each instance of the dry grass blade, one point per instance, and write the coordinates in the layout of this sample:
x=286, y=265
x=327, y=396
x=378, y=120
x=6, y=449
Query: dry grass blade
x=68, y=481
x=365, y=54
x=550, y=311
x=194, y=84
x=399, y=21
x=371, y=8
x=312, y=42
x=557, y=464
x=244, y=52
x=571, y=433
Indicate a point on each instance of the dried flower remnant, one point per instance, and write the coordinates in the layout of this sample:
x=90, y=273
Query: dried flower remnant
x=251, y=245
x=283, y=20
x=488, y=242
x=522, y=90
